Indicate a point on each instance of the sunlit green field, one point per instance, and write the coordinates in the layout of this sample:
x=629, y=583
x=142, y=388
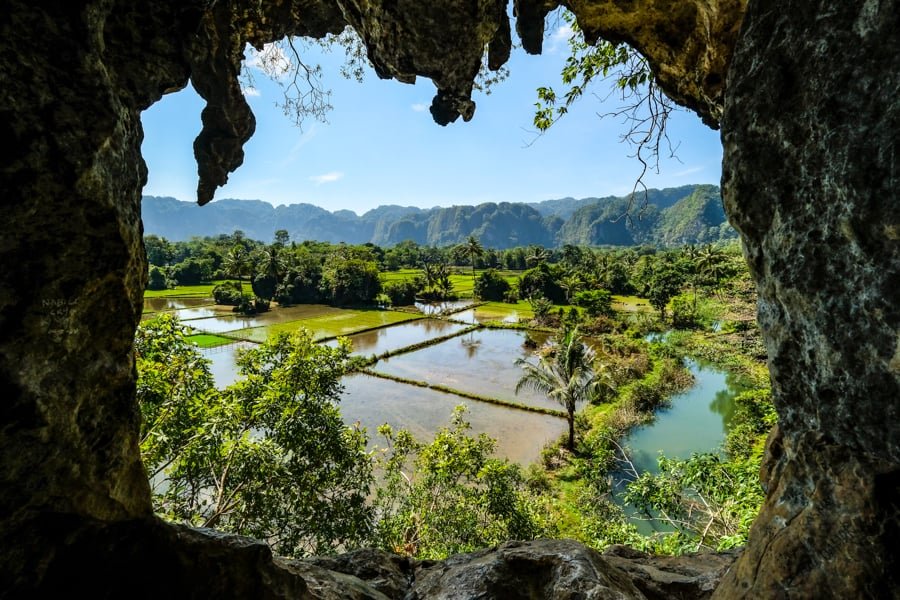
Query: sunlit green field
x=208, y=340
x=498, y=311
x=344, y=322
x=186, y=291
x=630, y=304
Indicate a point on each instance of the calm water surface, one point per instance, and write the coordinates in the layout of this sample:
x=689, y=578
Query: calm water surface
x=697, y=421
x=159, y=304
x=386, y=339
x=480, y=362
x=437, y=308
x=373, y=402
x=223, y=361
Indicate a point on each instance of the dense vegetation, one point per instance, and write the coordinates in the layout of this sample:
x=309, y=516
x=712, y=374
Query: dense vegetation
x=270, y=457
x=685, y=215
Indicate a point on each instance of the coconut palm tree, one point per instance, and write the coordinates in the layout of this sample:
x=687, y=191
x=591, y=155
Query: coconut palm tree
x=474, y=249
x=536, y=255
x=236, y=263
x=710, y=261
x=564, y=373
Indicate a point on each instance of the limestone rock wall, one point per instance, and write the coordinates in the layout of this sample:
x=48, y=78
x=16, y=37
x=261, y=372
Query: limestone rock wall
x=811, y=172
x=810, y=134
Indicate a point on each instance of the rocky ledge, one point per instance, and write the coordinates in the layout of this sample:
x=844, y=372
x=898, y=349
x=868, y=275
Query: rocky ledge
x=149, y=558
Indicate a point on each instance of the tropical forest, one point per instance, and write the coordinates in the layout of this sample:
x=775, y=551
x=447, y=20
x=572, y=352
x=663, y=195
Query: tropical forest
x=436, y=399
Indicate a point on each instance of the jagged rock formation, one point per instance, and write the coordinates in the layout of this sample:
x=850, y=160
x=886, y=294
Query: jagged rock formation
x=806, y=178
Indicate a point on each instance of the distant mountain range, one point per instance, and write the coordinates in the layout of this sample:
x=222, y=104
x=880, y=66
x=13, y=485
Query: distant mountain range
x=690, y=214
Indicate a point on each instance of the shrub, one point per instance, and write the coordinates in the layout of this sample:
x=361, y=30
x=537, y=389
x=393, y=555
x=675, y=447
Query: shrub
x=228, y=293
x=157, y=279
x=490, y=285
x=595, y=302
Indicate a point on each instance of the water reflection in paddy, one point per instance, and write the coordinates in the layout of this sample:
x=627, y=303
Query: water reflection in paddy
x=159, y=304
x=436, y=308
x=373, y=402
x=223, y=361
x=481, y=362
x=385, y=339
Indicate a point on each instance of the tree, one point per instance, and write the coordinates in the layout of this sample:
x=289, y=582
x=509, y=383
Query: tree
x=268, y=457
x=474, y=249
x=542, y=281
x=664, y=282
x=237, y=262
x=352, y=281
x=159, y=250
x=157, y=279
x=537, y=255
x=271, y=264
x=571, y=284
x=282, y=237
x=710, y=262
x=456, y=497
x=595, y=302
x=564, y=373
x=490, y=285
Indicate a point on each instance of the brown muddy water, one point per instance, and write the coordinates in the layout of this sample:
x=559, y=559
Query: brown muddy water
x=395, y=337
x=481, y=362
x=372, y=402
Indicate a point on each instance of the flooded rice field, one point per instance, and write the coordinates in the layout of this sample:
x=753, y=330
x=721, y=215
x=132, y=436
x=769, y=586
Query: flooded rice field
x=372, y=402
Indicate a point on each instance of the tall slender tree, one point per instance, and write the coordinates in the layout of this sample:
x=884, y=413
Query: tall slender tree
x=236, y=263
x=564, y=372
x=474, y=249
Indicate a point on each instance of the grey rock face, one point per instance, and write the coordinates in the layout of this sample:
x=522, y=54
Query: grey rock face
x=811, y=172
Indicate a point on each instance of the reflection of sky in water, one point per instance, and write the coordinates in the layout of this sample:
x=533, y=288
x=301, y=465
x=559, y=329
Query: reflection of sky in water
x=223, y=362
x=158, y=304
x=436, y=308
x=481, y=362
x=379, y=341
x=373, y=402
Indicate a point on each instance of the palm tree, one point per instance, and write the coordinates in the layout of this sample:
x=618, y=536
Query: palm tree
x=564, y=373
x=710, y=262
x=536, y=255
x=572, y=256
x=571, y=284
x=271, y=261
x=236, y=263
x=474, y=249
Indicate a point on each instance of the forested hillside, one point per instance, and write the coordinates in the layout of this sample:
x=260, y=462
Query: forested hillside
x=684, y=215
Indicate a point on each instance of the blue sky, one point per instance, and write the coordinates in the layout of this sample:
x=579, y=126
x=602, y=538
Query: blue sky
x=380, y=145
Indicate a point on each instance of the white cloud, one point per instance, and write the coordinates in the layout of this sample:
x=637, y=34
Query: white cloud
x=305, y=138
x=326, y=177
x=560, y=38
x=250, y=91
x=688, y=171
x=419, y=107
